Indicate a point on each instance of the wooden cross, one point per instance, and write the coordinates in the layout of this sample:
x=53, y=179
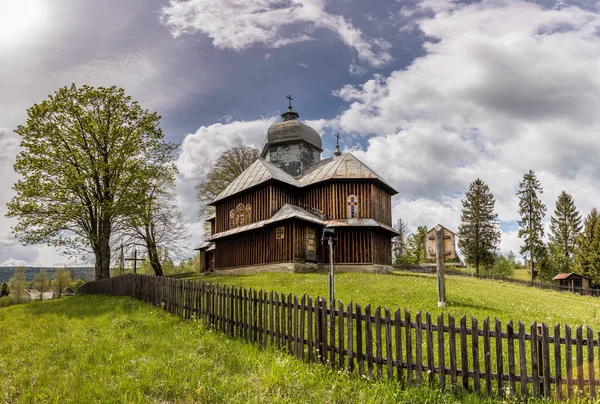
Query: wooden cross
x=290, y=99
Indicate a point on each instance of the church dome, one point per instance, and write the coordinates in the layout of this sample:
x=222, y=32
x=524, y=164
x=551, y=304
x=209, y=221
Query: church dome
x=291, y=130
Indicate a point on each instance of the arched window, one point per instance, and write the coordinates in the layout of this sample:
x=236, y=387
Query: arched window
x=352, y=204
x=239, y=215
x=248, y=213
x=232, y=219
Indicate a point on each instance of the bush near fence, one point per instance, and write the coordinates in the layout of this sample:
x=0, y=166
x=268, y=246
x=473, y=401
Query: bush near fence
x=377, y=343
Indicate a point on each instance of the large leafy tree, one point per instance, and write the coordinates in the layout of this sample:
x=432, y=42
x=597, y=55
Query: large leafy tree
x=84, y=151
x=400, y=242
x=478, y=230
x=586, y=258
x=565, y=225
x=532, y=212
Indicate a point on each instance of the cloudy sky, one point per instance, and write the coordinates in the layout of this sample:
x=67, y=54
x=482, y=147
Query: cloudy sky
x=430, y=94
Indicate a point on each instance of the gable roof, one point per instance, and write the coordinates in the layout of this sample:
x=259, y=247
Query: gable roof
x=345, y=166
x=260, y=171
x=567, y=276
x=433, y=230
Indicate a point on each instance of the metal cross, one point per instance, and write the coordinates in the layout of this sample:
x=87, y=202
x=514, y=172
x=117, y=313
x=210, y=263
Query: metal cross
x=290, y=99
x=337, y=142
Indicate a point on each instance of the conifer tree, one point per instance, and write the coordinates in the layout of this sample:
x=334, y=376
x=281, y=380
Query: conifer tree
x=565, y=225
x=415, y=249
x=399, y=243
x=478, y=230
x=532, y=212
x=587, y=251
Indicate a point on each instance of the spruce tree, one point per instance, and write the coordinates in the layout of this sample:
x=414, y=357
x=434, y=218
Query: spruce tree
x=587, y=251
x=478, y=230
x=532, y=212
x=399, y=243
x=565, y=225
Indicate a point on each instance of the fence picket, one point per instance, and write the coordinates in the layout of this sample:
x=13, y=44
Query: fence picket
x=557, y=364
x=341, y=334
x=475, y=351
x=523, y=360
x=359, y=343
x=350, y=335
x=441, y=352
x=452, y=343
x=310, y=328
x=579, y=359
x=499, y=356
x=429, y=340
x=464, y=360
x=419, y=348
x=487, y=357
x=296, y=342
x=398, y=335
x=388, y=344
x=569, y=361
x=302, y=325
x=332, y=333
x=369, y=340
x=409, y=358
x=378, y=343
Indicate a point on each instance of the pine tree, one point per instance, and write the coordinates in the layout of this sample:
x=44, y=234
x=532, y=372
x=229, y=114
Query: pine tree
x=587, y=251
x=415, y=250
x=478, y=230
x=532, y=212
x=565, y=224
x=399, y=243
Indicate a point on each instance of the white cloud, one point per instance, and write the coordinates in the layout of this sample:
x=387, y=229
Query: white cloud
x=504, y=87
x=13, y=263
x=241, y=24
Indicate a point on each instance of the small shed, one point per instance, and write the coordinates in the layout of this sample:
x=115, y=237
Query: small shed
x=431, y=247
x=574, y=283
x=68, y=291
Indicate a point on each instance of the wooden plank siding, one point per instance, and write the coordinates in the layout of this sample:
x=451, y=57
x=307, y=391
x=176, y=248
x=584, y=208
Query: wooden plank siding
x=358, y=245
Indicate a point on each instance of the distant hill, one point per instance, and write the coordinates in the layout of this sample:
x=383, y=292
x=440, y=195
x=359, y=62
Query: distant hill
x=86, y=273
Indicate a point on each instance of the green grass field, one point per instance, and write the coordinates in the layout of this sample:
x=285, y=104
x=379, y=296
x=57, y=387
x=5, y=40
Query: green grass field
x=418, y=292
x=89, y=349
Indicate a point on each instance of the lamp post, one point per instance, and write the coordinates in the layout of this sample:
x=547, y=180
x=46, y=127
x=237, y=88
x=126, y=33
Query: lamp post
x=328, y=239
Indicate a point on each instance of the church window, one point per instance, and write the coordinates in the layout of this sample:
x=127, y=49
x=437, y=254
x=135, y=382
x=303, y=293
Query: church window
x=279, y=233
x=352, y=206
x=240, y=215
x=232, y=219
x=248, y=213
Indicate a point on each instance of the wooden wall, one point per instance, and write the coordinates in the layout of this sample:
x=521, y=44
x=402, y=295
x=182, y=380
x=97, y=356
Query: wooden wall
x=352, y=246
x=256, y=247
x=265, y=202
x=381, y=207
x=332, y=198
x=382, y=248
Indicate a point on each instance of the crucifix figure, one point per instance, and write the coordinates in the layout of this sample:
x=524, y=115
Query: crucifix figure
x=290, y=99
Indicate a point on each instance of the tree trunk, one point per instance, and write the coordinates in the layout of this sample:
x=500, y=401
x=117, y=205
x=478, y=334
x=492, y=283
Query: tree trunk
x=102, y=253
x=154, y=260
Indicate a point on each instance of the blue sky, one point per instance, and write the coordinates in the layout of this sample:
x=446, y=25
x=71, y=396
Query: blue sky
x=430, y=94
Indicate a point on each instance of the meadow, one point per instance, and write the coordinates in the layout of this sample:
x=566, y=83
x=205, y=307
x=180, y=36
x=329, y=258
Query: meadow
x=415, y=292
x=117, y=349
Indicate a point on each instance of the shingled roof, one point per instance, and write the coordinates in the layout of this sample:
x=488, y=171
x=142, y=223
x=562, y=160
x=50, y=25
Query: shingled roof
x=345, y=166
x=260, y=171
x=287, y=211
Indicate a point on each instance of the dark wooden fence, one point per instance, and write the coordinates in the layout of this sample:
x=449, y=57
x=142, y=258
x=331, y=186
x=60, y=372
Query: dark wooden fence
x=482, y=357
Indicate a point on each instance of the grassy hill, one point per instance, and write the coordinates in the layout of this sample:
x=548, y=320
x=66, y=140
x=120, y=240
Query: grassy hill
x=111, y=349
x=418, y=292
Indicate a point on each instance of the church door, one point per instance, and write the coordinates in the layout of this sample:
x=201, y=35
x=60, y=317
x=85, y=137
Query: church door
x=311, y=245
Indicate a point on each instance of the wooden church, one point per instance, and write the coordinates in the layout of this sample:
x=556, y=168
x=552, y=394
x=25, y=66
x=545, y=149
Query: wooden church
x=271, y=217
